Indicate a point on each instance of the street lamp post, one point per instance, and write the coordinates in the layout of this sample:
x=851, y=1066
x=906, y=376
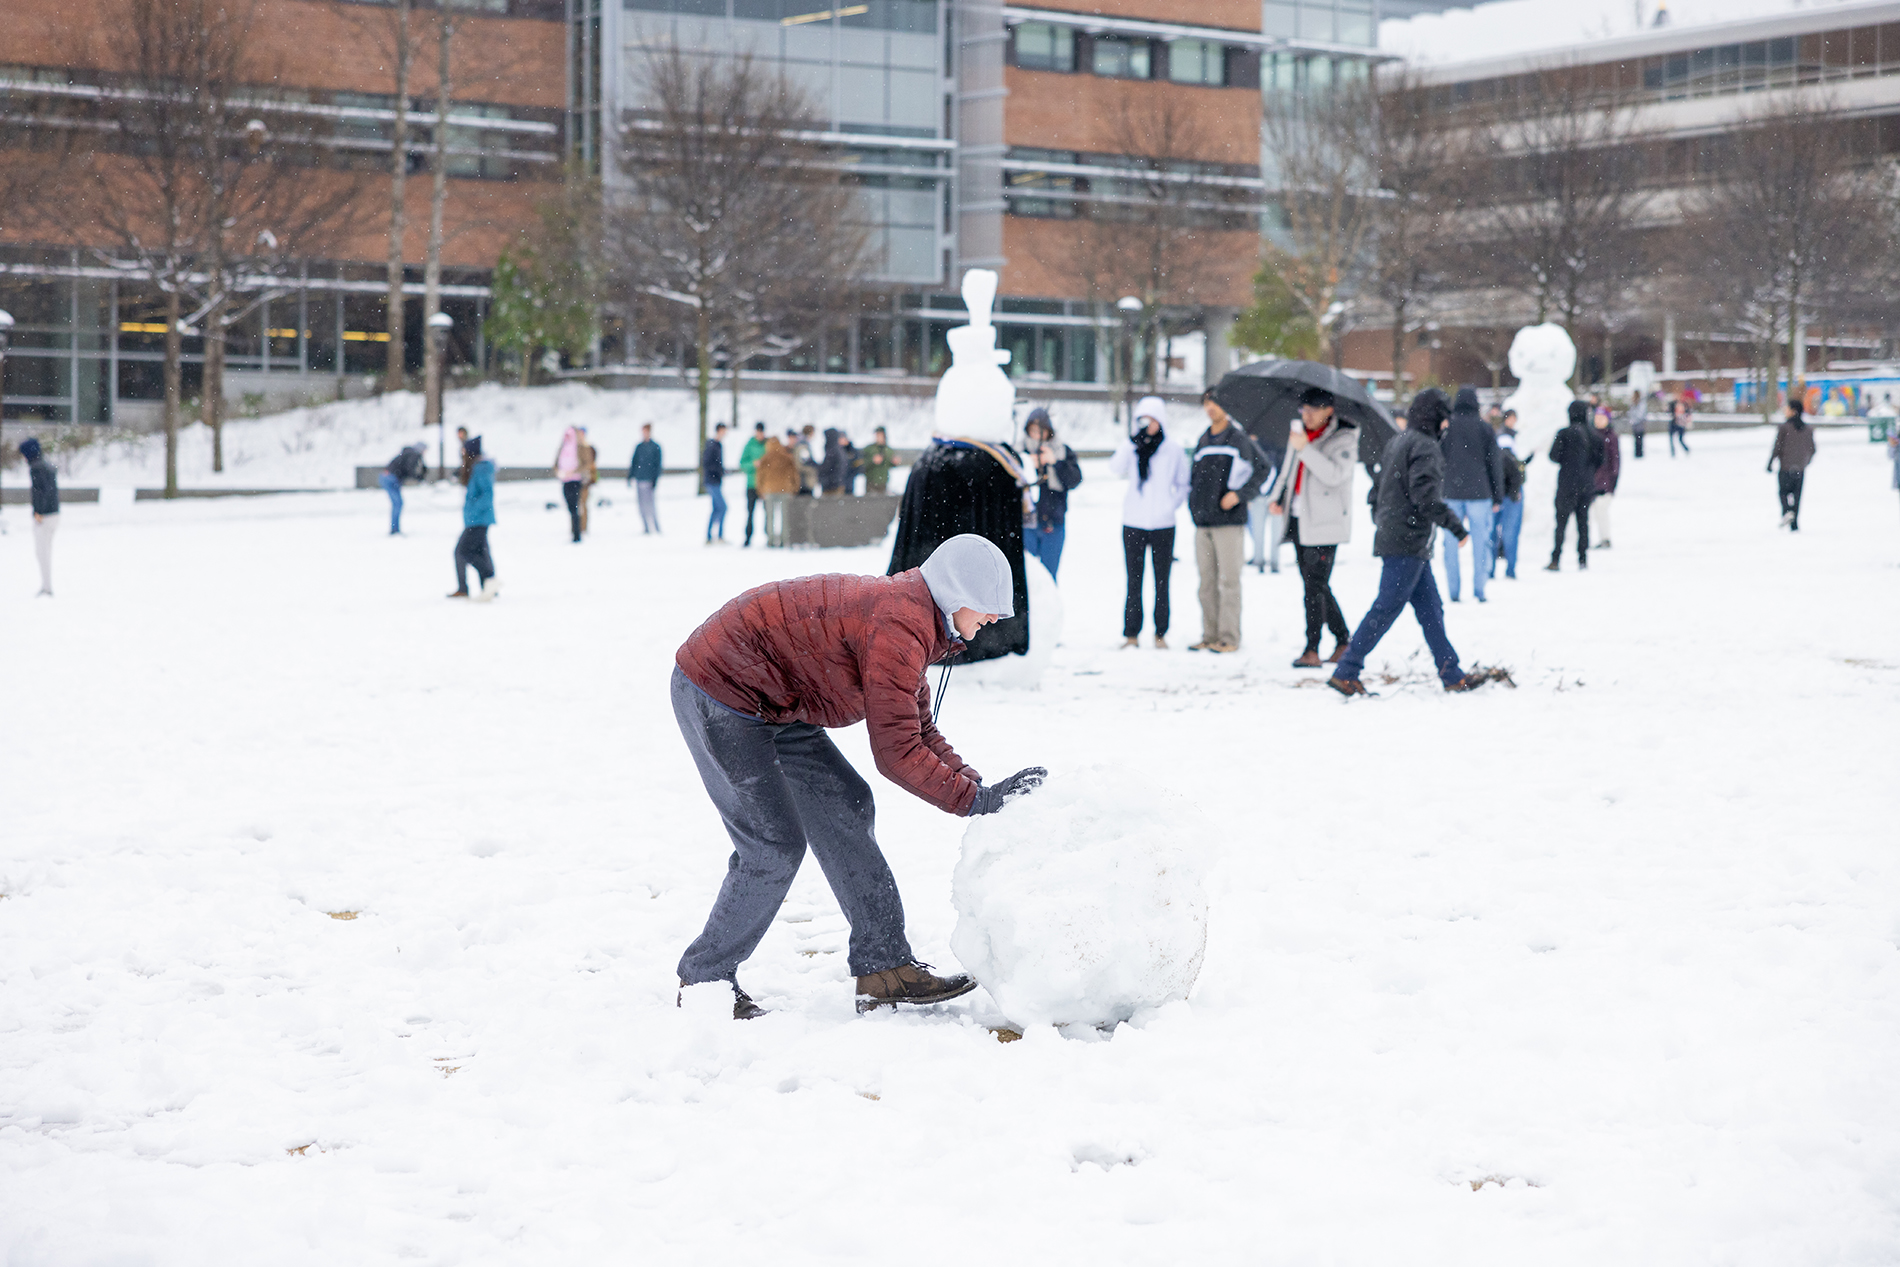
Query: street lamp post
x=6, y=328
x=432, y=391
x=1130, y=309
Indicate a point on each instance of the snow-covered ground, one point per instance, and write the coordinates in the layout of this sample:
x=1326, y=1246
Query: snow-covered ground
x=1599, y=970
x=321, y=446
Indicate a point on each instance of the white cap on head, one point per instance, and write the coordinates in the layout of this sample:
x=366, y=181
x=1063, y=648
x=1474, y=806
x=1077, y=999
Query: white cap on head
x=969, y=571
x=1151, y=407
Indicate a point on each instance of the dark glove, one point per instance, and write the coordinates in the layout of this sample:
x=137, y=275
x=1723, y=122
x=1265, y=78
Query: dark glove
x=990, y=799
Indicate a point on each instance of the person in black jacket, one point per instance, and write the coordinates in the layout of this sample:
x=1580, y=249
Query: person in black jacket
x=1226, y=473
x=712, y=469
x=1054, y=467
x=1577, y=452
x=1407, y=506
x=45, y=510
x=409, y=466
x=1474, y=487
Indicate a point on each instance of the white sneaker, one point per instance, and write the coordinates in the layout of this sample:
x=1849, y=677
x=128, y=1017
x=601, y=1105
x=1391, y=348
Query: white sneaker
x=490, y=588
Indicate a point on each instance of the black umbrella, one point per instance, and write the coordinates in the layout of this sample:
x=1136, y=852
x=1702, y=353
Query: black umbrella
x=1264, y=398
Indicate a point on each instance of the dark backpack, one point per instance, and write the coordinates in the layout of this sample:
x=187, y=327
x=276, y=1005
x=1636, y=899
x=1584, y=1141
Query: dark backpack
x=1513, y=477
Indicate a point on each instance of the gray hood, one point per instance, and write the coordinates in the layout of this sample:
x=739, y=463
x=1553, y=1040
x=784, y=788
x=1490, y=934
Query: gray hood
x=969, y=571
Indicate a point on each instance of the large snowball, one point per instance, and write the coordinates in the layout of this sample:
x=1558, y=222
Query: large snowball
x=1083, y=902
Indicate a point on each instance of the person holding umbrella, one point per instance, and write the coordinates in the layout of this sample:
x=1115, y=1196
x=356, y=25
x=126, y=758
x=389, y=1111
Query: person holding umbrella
x=1314, y=492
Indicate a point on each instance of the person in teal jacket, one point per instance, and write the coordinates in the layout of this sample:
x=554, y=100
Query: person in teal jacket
x=478, y=514
x=749, y=463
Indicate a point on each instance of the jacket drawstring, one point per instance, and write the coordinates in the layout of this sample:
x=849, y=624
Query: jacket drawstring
x=943, y=685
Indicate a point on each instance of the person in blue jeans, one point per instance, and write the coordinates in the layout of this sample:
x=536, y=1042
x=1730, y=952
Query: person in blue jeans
x=1509, y=524
x=1474, y=487
x=1407, y=507
x=712, y=467
x=1056, y=472
x=407, y=465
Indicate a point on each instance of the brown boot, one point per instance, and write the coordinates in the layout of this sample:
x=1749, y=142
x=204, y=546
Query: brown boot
x=909, y=983
x=1339, y=653
x=1308, y=660
x=1348, y=686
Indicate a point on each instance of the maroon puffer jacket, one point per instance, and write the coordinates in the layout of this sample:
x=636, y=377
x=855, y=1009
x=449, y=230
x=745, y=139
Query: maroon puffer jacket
x=834, y=651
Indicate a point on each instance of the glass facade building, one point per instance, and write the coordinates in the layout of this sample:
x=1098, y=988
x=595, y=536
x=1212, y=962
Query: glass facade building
x=877, y=73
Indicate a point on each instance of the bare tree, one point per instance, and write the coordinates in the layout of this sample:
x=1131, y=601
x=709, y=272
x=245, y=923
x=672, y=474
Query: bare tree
x=732, y=227
x=1326, y=200
x=402, y=53
x=1162, y=228
x=1562, y=177
x=1793, y=226
x=1414, y=157
x=187, y=187
x=438, y=197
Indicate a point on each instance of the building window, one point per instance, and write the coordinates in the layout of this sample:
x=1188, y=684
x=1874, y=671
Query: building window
x=1280, y=17
x=1197, y=62
x=1043, y=46
x=1119, y=58
x=1039, y=193
x=1357, y=27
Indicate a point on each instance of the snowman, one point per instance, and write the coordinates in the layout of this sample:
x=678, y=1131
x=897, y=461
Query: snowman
x=1542, y=358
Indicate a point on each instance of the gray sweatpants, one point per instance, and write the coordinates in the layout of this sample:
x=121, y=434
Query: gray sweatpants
x=43, y=529
x=649, y=512
x=779, y=788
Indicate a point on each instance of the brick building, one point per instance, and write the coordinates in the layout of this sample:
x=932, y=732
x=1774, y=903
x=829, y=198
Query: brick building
x=87, y=346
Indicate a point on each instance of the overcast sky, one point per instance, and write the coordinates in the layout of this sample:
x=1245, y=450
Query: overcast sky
x=1513, y=26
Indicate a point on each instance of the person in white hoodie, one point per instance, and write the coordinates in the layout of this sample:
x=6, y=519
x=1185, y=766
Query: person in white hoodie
x=1156, y=469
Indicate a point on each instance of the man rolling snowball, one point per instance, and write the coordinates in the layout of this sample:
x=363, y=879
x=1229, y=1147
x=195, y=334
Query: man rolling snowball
x=754, y=689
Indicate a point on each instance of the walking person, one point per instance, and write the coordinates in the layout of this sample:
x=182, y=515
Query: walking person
x=1679, y=423
x=1794, y=449
x=1314, y=494
x=567, y=469
x=754, y=690
x=644, y=474
x=1266, y=531
x=1055, y=469
x=1226, y=473
x=712, y=470
x=407, y=466
x=749, y=463
x=1474, y=488
x=1407, y=505
x=1605, y=482
x=1639, y=424
x=45, y=497
x=1156, y=469
x=878, y=459
x=1577, y=452
x=478, y=516
x=778, y=482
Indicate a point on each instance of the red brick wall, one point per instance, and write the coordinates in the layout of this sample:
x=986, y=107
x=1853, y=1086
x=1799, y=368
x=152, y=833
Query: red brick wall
x=325, y=45
x=1052, y=111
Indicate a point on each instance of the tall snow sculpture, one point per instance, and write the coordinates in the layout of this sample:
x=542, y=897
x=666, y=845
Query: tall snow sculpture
x=1542, y=358
x=975, y=399
x=970, y=479
x=1082, y=903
